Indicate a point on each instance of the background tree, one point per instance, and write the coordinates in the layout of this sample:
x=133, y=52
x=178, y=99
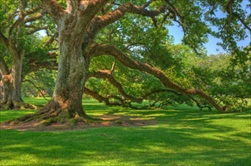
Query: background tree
x=19, y=23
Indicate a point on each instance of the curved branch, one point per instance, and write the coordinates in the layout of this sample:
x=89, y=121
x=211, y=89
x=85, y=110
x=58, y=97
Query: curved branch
x=38, y=88
x=36, y=29
x=3, y=39
x=101, y=98
x=100, y=22
x=3, y=67
x=9, y=45
x=34, y=18
x=96, y=96
x=17, y=23
x=107, y=74
x=53, y=8
x=33, y=10
x=230, y=11
x=242, y=21
x=176, y=13
x=125, y=60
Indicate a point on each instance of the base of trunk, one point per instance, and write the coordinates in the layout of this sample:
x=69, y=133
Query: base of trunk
x=51, y=114
x=52, y=118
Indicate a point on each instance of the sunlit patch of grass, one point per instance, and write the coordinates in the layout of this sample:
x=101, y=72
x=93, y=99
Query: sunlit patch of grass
x=12, y=114
x=38, y=101
x=180, y=137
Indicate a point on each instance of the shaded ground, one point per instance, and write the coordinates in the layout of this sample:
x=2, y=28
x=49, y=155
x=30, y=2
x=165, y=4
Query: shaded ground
x=104, y=121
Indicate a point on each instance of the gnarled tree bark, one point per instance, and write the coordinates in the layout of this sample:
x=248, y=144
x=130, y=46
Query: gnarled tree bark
x=73, y=60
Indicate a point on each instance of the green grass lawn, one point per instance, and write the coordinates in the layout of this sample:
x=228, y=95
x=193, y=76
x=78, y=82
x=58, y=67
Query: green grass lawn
x=183, y=136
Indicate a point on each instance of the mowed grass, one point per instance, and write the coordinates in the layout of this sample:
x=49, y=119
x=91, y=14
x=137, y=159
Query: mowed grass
x=183, y=136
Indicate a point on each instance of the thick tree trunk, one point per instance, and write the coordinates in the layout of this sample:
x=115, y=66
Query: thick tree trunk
x=72, y=73
x=11, y=85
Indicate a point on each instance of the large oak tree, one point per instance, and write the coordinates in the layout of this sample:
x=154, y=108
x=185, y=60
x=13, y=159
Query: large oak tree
x=80, y=21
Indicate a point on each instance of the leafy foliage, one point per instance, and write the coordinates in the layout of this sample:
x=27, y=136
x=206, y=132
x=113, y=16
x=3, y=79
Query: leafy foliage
x=39, y=83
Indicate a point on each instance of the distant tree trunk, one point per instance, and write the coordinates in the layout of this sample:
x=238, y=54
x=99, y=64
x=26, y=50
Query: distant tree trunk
x=6, y=92
x=11, y=83
x=16, y=74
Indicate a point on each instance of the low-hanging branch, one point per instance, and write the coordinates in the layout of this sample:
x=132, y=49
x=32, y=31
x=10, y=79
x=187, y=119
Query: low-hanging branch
x=107, y=74
x=106, y=99
x=105, y=49
x=121, y=101
x=37, y=87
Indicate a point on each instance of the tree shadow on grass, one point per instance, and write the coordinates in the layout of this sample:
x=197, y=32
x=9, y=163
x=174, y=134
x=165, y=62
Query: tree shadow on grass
x=121, y=146
x=179, y=138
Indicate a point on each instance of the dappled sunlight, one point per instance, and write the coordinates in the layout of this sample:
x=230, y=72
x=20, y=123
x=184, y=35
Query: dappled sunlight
x=115, y=145
x=12, y=114
x=21, y=159
x=179, y=137
x=38, y=101
x=156, y=115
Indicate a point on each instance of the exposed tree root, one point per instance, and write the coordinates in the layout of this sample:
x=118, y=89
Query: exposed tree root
x=52, y=117
x=36, y=122
x=47, y=120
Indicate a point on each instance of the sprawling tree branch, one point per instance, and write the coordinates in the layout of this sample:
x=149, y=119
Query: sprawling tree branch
x=3, y=67
x=17, y=22
x=125, y=60
x=37, y=87
x=229, y=9
x=36, y=30
x=100, y=22
x=3, y=39
x=33, y=10
x=36, y=17
x=106, y=99
x=8, y=44
x=107, y=74
x=96, y=96
x=54, y=9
